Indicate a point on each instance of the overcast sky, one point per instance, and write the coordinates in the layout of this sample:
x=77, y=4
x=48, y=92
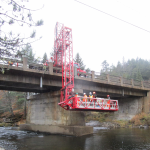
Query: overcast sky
x=97, y=36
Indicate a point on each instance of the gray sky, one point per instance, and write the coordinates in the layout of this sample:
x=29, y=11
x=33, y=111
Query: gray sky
x=97, y=36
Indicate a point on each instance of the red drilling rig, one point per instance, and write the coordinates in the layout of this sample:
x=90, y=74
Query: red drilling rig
x=63, y=57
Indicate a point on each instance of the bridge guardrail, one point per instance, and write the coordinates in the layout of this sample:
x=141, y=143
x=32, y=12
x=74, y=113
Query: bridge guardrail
x=94, y=76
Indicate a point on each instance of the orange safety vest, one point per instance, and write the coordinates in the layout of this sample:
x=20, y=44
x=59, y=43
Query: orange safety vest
x=108, y=104
x=78, y=100
x=90, y=96
x=10, y=63
x=85, y=98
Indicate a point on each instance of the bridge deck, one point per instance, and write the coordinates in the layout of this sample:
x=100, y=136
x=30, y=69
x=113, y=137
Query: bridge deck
x=27, y=78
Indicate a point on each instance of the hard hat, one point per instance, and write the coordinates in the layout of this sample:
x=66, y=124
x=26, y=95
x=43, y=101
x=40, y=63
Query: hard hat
x=84, y=93
x=93, y=92
x=90, y=93
x=107, y=95
x=76, y=93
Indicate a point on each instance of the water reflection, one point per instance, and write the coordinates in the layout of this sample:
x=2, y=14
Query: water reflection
x=101, y=139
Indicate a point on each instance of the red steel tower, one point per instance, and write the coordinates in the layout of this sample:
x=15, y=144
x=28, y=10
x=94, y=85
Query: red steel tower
x=63, y=56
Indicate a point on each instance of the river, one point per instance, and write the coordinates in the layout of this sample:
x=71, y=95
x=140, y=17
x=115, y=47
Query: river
x=101, y=139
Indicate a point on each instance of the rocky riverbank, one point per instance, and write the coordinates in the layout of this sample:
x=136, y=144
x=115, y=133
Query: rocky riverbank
x=106, y=119
x=6, y=119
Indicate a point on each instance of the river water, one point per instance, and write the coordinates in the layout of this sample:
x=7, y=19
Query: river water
x=101, y=139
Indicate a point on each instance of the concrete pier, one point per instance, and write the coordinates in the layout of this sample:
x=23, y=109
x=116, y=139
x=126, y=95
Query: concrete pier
x=45, y=115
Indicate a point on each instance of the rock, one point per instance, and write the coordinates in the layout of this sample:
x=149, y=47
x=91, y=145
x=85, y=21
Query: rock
x=143, y=127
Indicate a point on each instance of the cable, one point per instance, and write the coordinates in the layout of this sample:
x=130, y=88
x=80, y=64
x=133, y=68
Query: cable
x=112, y=16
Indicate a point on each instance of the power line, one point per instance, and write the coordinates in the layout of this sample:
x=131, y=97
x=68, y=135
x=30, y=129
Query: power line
x=112, y=16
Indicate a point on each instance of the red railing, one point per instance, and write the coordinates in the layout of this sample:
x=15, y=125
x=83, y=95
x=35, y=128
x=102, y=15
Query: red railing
x=82, y=103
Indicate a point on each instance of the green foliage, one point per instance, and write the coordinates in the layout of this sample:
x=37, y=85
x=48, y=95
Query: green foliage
x=44, y=58
x=79, y=60
x=88, y=70
x=28, y=51
x=21, y=97
x=137, y=69
x=10, y=101
x=105, y=66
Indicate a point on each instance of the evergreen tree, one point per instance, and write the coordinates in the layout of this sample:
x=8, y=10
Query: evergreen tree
x=44, y=58
x=88, y=70
x=10, y=101
x=28, y=51
x=79, y=60
x=137, y=69
x=105, y=66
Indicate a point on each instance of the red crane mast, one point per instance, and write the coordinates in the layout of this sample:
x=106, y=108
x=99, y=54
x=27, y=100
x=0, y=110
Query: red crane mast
x=63, y=56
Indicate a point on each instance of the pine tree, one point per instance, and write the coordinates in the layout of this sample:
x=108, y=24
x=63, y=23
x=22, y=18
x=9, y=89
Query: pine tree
x=88, y=70
x=44, y=58
x=105, y=67
x=79, y=60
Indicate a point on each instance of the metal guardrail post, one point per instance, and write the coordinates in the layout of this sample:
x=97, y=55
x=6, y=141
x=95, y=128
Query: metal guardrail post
x=50, y=68
x=93, y=75
x=75, y=71
x=121, y=81
x=25, y=60
x=108, y=79
x=142, y=85
x=132, y=82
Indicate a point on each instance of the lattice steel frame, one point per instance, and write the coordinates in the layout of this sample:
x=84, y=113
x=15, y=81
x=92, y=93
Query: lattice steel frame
x=63, y=56
x=58, y=45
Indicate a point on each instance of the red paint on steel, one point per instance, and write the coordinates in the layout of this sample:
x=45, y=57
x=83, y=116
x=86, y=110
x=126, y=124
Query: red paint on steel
x=63, y=57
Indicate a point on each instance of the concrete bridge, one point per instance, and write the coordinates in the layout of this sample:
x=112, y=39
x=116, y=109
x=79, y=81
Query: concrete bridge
x=26, y=78
x=45, y=115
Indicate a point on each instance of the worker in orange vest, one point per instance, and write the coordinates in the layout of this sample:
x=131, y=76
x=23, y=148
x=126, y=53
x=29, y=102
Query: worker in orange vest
x=10, y=63
x=76, y=95
x=108, y=103
x=78, y=100
x=84, y=97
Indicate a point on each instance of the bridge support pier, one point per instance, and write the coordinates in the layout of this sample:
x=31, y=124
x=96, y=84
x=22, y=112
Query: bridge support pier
x=45, y=115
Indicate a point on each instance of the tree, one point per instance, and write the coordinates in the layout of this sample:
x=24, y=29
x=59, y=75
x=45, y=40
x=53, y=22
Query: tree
x=10, y=101
x=88, y=70
x=44, y=58
x=79, y=60
x=137, y=69
x=105, y=66
x=14, y=13
x=7, y=100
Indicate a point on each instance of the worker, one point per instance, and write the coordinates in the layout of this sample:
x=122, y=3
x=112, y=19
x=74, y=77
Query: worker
x=94, y=95
x=90, y=96
x=77, y=100
x=46, y=63
x=94, y=98
x=108, y=97
x=10, y=63
x=108, y=102
x=84, y=97
x=51, y=59
x=76, y=95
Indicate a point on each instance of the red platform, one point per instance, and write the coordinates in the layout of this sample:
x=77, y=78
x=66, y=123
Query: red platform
x=82, y=103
